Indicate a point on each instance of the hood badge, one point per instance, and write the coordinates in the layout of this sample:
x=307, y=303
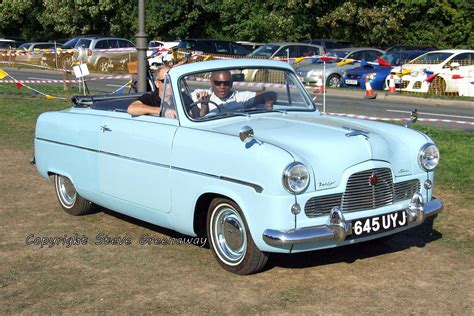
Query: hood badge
x=356, y=132
x=373, y=180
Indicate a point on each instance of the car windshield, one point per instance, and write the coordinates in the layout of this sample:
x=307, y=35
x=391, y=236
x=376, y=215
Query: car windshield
x=265, y=51
x=24, y=46
x=395, y=57
x=431, y=58
x=242, y=92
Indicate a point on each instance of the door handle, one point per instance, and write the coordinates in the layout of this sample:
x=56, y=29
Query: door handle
x=104, y=128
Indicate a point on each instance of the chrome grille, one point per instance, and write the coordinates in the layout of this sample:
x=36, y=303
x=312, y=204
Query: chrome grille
x=405, y=190
x=320, y=205
x=361, y=195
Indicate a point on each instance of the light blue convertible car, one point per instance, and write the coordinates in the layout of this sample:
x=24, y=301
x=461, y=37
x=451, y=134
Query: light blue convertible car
x=256, y=167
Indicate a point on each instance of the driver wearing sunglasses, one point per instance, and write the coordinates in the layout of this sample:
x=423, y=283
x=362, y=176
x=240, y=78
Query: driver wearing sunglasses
x=221, y=93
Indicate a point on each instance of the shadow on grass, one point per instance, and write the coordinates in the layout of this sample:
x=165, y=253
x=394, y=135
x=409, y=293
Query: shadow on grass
x=168, y=233
x=415, y=237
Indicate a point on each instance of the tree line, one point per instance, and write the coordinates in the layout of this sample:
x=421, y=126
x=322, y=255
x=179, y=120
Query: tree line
x=382, y=23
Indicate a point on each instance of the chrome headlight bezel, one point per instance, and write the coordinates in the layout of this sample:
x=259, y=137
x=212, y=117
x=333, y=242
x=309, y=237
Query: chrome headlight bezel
x=428, y=157
x=290, y=178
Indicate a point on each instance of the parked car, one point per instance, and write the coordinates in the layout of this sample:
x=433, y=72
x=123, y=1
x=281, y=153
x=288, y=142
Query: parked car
x=312, y=74
x=253, y=179
x=33, y=53
x=449, y=66
x=251, y=46
x=287, y=50
x=330, y=44
x=355, y=78
x=71, y=43
x=104, y=53
x=6, y=44
x=155, y=55
x=211, y=46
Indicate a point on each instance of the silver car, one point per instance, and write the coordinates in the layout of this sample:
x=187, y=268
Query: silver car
x=312, y=74
x=34, y=53
x=104, y=53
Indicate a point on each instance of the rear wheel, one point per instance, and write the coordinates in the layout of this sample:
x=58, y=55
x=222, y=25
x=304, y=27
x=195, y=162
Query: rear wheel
x=70, y=200
x=230, y=239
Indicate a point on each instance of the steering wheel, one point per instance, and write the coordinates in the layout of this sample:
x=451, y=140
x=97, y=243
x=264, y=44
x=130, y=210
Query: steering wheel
x=194, y=104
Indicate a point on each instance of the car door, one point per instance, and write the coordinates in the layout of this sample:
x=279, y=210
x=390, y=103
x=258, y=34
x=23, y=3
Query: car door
x=135, y=159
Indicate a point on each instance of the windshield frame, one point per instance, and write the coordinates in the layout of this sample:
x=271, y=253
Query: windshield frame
x=180, y=87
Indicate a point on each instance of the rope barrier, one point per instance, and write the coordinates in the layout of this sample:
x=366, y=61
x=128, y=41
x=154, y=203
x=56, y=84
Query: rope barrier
x=374, y=118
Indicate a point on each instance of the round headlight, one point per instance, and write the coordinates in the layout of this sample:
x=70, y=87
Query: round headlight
x=295, y=177
x=429, y=157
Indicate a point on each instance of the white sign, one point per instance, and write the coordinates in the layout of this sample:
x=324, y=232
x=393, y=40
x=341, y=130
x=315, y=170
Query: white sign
x=81, y=70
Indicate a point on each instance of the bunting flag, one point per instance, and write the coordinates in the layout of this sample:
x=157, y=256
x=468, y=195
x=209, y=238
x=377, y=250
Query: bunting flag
x=364, y=63
x=428, y=72
x=404, y=72
x=207, y=57
x=18, y=86
x=34, y=92
x=299, y=59
x=3, y=74
x=346, y=62
x=430, y=78
x=326, y=58
x=383, y=62
x=49, y=97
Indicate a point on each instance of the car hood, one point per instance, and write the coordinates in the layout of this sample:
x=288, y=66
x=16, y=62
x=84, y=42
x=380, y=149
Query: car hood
x=330, y=145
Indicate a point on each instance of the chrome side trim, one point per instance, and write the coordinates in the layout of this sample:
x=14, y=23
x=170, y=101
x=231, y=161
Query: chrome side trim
x=256, y=187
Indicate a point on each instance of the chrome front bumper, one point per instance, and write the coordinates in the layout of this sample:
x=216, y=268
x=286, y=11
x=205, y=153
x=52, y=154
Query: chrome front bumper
x=338, y=228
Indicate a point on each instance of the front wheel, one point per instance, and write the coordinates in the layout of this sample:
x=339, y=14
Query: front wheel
x=71, y=202
x=230, y=239
x=333, y=81
x=103, y=65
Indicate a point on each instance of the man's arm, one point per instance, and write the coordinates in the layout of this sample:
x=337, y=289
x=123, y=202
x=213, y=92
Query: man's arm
x=139, y=108
x=266, y=97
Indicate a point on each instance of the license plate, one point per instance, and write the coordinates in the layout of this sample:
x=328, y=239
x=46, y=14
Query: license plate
x=352, y=82
x=364, y=227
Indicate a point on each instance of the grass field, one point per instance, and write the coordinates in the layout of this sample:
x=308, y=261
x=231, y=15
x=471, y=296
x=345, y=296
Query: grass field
x=426, y=270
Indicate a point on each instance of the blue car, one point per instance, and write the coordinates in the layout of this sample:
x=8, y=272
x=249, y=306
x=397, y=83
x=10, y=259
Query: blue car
x=251, y=165
x=355, y=78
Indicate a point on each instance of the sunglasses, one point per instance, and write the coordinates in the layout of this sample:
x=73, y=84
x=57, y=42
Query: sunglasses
x=226, y=83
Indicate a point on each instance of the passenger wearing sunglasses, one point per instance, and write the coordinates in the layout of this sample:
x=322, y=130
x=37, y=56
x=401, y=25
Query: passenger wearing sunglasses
x=221, y=93
x=150, y=102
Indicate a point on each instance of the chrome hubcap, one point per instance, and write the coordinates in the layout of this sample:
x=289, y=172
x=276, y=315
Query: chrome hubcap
x=229, y=235
x=66, y=190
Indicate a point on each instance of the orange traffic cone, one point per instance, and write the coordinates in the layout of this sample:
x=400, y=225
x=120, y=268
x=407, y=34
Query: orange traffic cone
x=391, y=85
x=369, y=93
